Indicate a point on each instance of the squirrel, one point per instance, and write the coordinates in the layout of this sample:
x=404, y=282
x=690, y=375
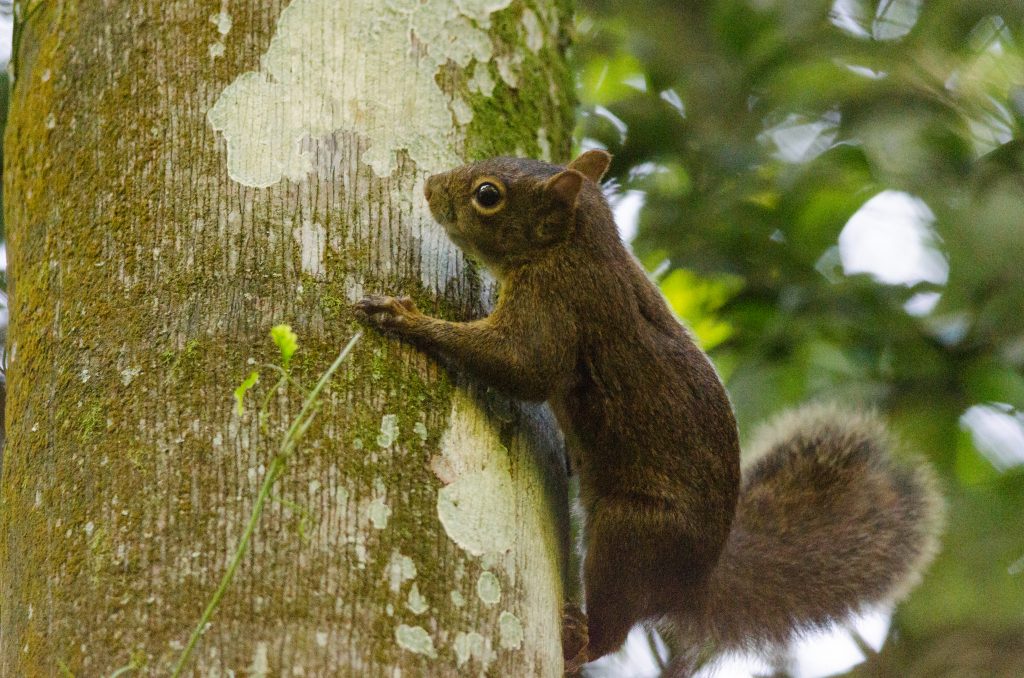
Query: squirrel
x=821, y=525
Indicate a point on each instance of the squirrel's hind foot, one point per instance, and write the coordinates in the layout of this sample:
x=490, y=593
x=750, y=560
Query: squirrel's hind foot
x=574, y=638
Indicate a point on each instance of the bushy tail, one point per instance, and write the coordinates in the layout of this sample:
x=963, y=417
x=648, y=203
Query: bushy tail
x=827, y=523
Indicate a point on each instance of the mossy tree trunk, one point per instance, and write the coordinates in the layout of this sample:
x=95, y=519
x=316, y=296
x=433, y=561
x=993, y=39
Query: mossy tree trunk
x=181, y=176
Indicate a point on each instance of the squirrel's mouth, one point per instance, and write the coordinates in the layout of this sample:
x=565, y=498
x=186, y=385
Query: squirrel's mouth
x=444, y=215
x=440, y=208
x=456, y=237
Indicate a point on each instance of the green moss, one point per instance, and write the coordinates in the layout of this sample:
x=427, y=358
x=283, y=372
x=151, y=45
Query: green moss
x=100, y=552
x=530, y=103
x=92, y=422
x=136, y=456
x=332, y=306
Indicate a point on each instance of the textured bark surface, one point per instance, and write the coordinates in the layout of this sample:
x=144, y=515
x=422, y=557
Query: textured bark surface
x=180, y=177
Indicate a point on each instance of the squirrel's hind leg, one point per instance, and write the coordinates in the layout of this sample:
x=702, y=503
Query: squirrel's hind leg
x=641, y=558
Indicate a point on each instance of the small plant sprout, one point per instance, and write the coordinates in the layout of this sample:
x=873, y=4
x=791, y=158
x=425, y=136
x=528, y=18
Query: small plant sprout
x=249, y=382
x=288, y=343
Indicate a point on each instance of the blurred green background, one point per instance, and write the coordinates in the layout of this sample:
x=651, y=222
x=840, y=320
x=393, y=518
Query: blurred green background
x=831, y=194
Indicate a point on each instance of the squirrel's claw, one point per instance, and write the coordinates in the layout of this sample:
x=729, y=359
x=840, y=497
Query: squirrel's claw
x=407, y=303
x=574, y=638
x=386, y=312
x=574, y=664
x=375, y=303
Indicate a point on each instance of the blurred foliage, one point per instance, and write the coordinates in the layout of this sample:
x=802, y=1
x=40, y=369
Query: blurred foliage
x=698, y=298
x=756, y=129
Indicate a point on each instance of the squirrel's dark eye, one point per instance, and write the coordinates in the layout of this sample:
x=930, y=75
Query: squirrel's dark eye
x=487, y=195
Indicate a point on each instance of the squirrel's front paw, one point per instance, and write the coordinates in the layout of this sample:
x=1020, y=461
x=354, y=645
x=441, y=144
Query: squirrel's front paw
x=388, y=313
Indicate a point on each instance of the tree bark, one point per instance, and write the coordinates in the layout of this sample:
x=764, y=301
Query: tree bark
x=181, y=176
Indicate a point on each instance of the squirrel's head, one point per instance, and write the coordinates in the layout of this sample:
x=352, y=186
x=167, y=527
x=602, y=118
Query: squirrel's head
x=509, y=210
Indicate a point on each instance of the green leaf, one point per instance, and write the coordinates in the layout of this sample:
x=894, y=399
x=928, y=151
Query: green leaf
x=249, y=382
x=697, y=300
x=607, y=80
x=286, y=341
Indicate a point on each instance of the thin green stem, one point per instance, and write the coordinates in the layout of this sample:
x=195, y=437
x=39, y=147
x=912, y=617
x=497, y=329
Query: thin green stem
x=285, y=375
x=300, y=424
x=276, y=466
x=266, y=400
x=324, y=378
x=125, y=670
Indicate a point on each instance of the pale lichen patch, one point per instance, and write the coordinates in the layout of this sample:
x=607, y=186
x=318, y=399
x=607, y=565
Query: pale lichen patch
x=472, y=645
x=362, y=554
x=388, y=430
x=378, y=510
x=477, y=508
x=510, y=631
x=534, y=32
x=379, y=513
x=462, y=111
x=222, y=20
x=481, y=81
x=415, y=639
x=420, y=429
x=128, y=374
x=260, y=665
x=544, y=144
x=488, y=588
x=308, y=88
x=416, y=603
x=508, y=69
x=400, y=570
x=312, y=240
x=481, y=10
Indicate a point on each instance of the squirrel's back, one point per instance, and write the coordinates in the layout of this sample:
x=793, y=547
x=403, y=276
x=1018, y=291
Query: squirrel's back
x=644, y=402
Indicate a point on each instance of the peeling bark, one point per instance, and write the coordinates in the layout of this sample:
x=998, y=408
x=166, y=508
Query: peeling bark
x=180, y=177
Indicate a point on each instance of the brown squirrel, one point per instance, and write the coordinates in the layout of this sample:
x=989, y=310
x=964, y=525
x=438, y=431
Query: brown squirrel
x=824, y=521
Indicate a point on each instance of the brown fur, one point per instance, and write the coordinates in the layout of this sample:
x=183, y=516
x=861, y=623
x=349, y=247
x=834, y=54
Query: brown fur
x=827, y=524
x=824, y=522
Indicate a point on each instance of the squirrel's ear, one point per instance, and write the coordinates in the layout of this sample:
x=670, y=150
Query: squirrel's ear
x=592, y=164
x=564, y=187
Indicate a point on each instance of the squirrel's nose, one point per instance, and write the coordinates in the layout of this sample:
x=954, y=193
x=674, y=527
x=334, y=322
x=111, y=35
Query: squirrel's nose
x=426, y=188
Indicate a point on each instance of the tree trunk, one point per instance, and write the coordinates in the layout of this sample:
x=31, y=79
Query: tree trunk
x=181, y=176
